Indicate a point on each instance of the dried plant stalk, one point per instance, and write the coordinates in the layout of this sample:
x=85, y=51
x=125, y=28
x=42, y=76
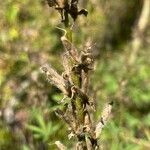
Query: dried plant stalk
x=74, y=84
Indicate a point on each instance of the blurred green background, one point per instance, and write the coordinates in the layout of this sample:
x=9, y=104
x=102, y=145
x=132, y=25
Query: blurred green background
x=29, y=38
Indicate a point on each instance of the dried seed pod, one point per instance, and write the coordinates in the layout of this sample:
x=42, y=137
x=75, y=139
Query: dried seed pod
x=65, y=118
x=66, y=65
x=69, y=47
x=67, y=68
x=87, y=122
x=55, y=78
x=104, y=118
x=106, y=112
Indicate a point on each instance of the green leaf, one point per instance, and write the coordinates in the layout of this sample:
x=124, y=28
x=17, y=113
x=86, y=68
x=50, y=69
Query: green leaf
x=34, y=128
x=41, y=122
x=11, y=13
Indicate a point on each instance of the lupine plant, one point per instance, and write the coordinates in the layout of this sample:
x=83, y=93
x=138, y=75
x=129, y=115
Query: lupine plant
x=78, y=106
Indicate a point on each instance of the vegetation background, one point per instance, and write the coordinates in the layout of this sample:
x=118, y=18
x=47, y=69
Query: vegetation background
x=29, y=38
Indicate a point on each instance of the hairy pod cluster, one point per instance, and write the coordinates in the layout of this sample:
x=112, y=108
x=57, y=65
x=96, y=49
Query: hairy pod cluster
x=74, y=83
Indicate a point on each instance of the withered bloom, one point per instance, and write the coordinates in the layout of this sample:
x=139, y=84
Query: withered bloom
x=67, y=7
x=74, y=11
